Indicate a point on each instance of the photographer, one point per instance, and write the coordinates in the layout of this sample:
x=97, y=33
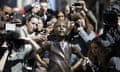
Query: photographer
x=81, y=33
x=81, y=7
x=83, y=27
x=111, y=36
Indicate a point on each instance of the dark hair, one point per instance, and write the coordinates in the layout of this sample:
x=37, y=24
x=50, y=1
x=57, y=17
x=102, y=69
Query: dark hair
x=19, y=16
x=97, y=41
x=8, y=5
x=28, y=8
x=10, y=35
x=76, y=16
x=30, y=16
x=100, y=57
x=111, y=13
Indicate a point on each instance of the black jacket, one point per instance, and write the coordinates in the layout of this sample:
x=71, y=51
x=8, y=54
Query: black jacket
x=111, y=39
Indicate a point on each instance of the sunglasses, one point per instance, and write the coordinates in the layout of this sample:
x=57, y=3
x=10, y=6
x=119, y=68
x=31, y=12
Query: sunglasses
x=7, y=13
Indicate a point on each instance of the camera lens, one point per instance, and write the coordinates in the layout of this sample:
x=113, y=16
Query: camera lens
x=77, y=24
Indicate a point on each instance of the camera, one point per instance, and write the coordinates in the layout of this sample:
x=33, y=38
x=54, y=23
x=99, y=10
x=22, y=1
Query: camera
x=77, y=24
x=76, y=4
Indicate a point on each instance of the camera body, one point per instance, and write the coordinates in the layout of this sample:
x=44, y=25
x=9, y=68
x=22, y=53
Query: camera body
x=77, y=24
x=77, y=6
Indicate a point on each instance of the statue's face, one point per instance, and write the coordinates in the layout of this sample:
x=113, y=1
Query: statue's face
x=61, y=29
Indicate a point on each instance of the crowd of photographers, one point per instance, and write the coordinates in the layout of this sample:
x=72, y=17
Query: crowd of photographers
x=36, y=22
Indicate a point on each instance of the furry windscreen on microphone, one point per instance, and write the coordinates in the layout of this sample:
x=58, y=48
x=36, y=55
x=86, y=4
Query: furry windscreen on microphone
x=11, y=36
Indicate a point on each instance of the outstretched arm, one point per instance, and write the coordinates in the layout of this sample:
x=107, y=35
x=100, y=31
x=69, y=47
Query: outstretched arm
x=77, y=51
x=43, y=63
x=83, y=60
x=36, y=49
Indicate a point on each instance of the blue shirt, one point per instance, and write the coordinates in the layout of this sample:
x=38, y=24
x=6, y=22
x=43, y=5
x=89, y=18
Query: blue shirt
x=52, y=4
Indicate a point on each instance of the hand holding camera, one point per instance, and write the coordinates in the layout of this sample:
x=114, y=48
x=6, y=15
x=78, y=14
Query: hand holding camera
x=81, y=5
x=79, y=25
